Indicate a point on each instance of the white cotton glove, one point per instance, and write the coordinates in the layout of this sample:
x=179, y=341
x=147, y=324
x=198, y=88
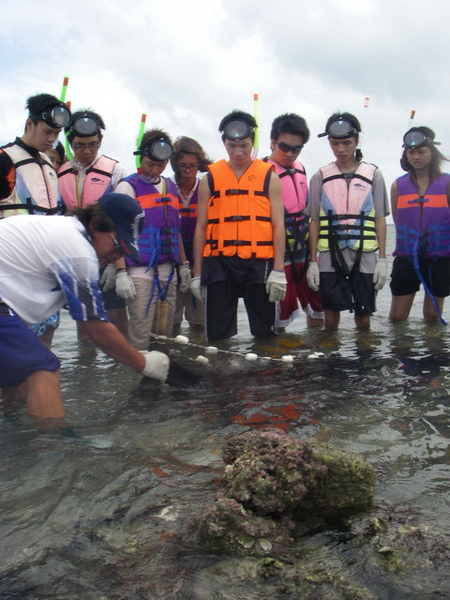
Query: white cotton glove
x=125, y=286
x=108, y=278
x=380, y=273
x=185, y=277
x=313, y=276
x=197, y=289
x=276, y=285
x=156, y=365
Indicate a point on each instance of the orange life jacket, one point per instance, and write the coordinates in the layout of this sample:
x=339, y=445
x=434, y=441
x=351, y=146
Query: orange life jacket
x=239, y=212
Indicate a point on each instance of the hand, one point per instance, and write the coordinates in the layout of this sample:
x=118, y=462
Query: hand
x=197, y=289
x=156, y=365
x=313, y=276
x=125, y=286
x=380, y=273
x=185, y=278
x=108, y=278
x=276, y=285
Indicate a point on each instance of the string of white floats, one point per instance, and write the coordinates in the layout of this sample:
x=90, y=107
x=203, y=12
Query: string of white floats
x=212, y=350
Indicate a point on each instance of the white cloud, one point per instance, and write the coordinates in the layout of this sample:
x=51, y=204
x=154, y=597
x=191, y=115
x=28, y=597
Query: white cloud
x=187, y=64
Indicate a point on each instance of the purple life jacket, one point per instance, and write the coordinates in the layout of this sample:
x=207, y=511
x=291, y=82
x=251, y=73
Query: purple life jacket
x=422, y=222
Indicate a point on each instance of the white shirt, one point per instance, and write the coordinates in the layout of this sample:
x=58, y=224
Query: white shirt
x=46, y=262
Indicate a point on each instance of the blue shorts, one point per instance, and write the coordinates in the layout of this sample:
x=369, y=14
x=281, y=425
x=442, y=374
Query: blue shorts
x=21, y=351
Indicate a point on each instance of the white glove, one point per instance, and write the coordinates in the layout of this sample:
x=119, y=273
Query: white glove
x=125, y=286
x=197, y=289
x=156, y=365
x=108, y=278
x=380, y=273
x=276, y=285
x=313, y=276
x=185, y=278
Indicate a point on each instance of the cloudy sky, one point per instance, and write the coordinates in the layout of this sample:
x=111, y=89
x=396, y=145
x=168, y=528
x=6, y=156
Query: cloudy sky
x=187, y=64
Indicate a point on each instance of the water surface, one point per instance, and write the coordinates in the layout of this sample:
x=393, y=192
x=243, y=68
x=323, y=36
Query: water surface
x=108, y=516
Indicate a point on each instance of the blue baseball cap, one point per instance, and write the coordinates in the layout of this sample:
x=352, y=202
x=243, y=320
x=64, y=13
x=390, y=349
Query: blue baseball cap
x=128, y=217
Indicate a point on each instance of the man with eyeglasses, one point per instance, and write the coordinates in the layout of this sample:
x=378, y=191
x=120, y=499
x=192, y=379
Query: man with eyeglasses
x=288, y=135
x=47, y=263
x=83, y=180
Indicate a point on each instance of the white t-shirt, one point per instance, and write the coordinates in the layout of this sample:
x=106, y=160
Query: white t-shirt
x=45, y=263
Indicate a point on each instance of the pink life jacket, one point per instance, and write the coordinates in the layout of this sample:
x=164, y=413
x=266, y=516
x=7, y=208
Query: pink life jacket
x=96, y=184
x=294, y=189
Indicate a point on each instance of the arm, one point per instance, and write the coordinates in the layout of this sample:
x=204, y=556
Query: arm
x=7, y=175
x=313, y=239
x=381, y=205
x=204, y=194
x=117, y=175
x=277, y=216
x=313, y=208
x=125, y=188
x=182, y=251
x=380, y=228
x=394, y=198
x=109, y=339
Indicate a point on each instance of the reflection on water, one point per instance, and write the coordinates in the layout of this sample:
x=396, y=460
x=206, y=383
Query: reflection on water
x=108, y=516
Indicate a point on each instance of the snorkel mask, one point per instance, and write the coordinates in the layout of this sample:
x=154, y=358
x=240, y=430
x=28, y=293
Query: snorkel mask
x=237, y=130
x=159, y=150
x=341, y=128
x=415, y=138
x=85, y=126
x=58, y=116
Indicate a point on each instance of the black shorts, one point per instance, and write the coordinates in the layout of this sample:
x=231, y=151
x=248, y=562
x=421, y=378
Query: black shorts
x=355, y=293
x=227, y=280
x=435, y=272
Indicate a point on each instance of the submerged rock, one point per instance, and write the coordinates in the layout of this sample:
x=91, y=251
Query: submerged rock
x=347, y=487
x=270, y=472
x=274, y=485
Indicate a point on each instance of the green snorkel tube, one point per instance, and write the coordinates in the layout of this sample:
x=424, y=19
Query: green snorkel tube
x=139, y=141
x=62, y=97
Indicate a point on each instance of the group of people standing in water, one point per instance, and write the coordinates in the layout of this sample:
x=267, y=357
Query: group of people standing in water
x=191, y=246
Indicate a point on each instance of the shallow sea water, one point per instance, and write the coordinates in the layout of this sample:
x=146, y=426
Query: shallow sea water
x=108, y=516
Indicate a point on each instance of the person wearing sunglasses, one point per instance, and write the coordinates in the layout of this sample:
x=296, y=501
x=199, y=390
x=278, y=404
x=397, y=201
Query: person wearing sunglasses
x=288, y=135
x=150, y=286
x=82, y=181
x=187, y=160
x=239, y=237
x=420, y=202
x=348, y=208
x=28, y=180
x=46, y=263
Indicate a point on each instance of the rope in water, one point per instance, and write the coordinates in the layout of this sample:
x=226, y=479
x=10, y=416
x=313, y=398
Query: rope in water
x=212, y=350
